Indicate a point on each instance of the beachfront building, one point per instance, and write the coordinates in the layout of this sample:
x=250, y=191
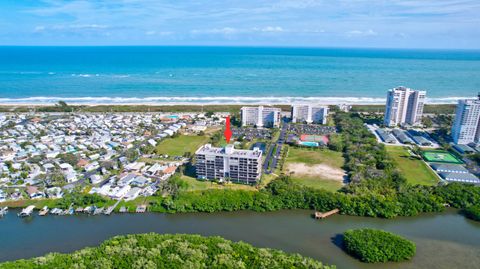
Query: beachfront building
x=228, y=163
x=404, y=106
x=261, y=116
x=309, y=114
x=465, y=128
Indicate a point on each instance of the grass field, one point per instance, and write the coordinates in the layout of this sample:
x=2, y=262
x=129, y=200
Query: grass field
x=198, y=185
x=440, y=156
x=316, y=158
x=179, y=145
x=414, y=170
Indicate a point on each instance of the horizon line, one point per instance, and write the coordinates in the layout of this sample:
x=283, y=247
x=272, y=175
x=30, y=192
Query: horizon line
x=253, y=46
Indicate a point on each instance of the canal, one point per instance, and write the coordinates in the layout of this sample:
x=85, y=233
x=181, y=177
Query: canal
x=446, y=240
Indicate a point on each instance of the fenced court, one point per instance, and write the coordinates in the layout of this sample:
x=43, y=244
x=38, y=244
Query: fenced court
x=440, y=156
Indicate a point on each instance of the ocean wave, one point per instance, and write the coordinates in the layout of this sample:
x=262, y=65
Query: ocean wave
x=100, y=75
x=166, y=100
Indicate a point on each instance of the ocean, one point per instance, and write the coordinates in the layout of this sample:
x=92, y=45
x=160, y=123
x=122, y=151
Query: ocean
x=231, y=75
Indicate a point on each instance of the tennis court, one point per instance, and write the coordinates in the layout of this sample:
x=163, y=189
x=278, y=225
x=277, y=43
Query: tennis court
x=440, y=156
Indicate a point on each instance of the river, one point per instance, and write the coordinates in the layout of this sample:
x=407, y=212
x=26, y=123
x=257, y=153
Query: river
x=446, y=240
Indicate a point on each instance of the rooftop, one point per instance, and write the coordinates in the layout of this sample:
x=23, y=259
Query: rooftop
x=230, y=151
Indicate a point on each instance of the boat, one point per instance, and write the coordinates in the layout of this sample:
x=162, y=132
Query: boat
x=56, y=211
x=98, y=211
x=123, y=209
x=89, y=209
x=26, y=212
x=79, y=210
x=3, y=211
x=44, y=211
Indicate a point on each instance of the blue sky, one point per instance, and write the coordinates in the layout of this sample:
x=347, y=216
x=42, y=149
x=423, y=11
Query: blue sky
x=313, y=23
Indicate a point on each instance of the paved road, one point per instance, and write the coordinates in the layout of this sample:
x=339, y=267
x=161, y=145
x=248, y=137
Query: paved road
x=274, y=151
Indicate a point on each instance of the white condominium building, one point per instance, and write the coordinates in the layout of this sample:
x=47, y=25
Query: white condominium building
x=241, y=166
x=309, y=114
x=465, y=128
x=261, y=116
x=404, y=106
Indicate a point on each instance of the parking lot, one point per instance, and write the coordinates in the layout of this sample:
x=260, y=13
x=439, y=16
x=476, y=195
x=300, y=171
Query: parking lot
x=250, y=134
x=310, y=129
x=399, y=137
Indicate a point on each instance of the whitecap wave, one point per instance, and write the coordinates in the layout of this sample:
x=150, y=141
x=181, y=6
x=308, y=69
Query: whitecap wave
x=182, y=100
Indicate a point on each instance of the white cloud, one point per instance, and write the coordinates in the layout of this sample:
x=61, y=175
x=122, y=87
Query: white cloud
x=368, y=32
x=269, y=29
x=224, y=31
x=87, y=26
x=232, y=31
x=163, y=33
x=39, y=28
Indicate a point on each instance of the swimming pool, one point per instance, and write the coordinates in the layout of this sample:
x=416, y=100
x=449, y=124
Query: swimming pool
x=309, y=144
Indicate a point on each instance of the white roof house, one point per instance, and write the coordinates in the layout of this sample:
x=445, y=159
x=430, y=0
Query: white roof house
x=152, y=142
x=95, y=179
x=71, y=177
x=92, y=166
x=132, y=194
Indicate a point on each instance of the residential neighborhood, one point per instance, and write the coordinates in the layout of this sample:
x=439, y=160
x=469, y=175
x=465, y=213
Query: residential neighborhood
x=45, y=155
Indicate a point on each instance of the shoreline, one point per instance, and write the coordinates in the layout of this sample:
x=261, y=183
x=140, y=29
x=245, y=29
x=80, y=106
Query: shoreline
x=41, y=101
x=185, y=108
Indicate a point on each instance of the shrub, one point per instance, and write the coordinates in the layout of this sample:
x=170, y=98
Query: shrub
x=370, y=245
x=472, y=212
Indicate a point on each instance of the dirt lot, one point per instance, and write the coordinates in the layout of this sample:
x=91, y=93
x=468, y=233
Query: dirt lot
x=322, y=171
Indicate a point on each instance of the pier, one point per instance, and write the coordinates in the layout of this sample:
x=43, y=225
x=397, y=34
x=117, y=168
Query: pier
x=110, y=209
x=26, y=212
x=141, y=209
x=44, y=211
x=322, y=215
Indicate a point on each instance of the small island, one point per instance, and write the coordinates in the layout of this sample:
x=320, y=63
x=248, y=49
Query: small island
x=370, y=245
x=170, y=251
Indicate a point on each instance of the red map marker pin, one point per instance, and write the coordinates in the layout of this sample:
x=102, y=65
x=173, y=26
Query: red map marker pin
x=228, y=131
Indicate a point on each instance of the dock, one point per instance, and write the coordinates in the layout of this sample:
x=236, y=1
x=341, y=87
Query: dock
x=141, y=209
x=322, y=215
x=26, y=212
x=110, y=209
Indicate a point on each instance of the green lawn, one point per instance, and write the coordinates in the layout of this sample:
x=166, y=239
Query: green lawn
x=311, y=157
x=200, y=185
x=179, y=145
x=414, y=170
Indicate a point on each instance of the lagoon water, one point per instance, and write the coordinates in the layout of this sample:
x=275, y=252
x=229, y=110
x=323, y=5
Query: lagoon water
x=446, y=240
x=166, y=75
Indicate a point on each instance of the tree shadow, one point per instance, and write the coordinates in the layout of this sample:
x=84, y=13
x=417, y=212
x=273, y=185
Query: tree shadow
x=337, y=240
x=190, y=170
